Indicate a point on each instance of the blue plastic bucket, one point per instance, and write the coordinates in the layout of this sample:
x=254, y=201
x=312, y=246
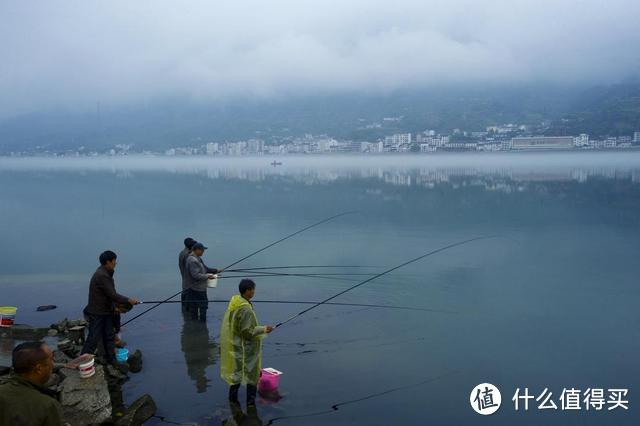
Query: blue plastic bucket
x=122, y=354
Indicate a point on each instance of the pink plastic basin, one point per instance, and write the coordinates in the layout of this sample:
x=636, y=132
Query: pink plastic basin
x=269, y=379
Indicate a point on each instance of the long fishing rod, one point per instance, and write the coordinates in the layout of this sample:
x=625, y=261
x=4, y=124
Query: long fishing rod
x=289, y=236
x=294, y=274
x=267, y=275
x=298, y=302
x=381, y=274
x=248, y=256
x=300, y=267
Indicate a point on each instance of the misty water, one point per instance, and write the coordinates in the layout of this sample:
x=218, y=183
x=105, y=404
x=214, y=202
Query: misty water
x=550, y=302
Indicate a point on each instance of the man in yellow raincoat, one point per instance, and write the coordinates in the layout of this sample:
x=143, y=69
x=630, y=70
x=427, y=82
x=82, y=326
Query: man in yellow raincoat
x=241, y=344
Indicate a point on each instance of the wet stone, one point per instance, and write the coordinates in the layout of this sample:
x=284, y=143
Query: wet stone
x=141, y=410
x=85, y=401
x=135, y=362
x=59, y=357
x=117, y=373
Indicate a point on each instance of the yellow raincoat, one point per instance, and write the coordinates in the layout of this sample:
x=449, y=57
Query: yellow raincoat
x=240, y=343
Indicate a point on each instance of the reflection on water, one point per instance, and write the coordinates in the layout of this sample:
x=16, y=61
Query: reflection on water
x=552, y=303
x=240, y=418
x=200, y=351
x=491, y=171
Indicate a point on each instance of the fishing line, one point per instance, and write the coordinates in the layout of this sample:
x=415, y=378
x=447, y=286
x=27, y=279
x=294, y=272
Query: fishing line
x=289, y=236
x=296, y=302
x=284, y=274
x=301, y=267
x=336, y=407
x=246, y=257
x=383, y=273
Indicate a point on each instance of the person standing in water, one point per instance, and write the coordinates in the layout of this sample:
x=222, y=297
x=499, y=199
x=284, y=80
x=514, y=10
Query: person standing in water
x=182, y=266
x=241, y=344
x=197, y=274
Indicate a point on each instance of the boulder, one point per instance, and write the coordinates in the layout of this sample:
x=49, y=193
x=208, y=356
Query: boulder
x=60, y=357
x=65, y=344
x=52, y=332
x=4, y=370
x=118, y=373
x=85, y=401
x=135, y=362
x=141, y=410
x=62, y=325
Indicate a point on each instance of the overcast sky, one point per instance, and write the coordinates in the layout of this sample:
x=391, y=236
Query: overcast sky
x=61, y=54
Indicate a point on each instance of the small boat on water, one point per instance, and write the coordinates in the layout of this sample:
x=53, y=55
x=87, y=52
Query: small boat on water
x=276, y=163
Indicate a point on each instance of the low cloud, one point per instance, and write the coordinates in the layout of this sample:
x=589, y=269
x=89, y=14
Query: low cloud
x=74, y=53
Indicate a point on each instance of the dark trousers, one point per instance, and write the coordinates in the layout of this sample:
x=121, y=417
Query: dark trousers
x=251, y=394
x=101, y=329
x=198, y=304
x=117, y=320
x=184, y=296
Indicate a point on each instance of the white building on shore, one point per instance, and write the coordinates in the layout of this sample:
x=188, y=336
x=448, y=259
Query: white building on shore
x=542, y=142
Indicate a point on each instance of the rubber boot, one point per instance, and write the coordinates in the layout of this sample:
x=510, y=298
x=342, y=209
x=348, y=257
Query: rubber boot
x=233, y=393
x=252, y=390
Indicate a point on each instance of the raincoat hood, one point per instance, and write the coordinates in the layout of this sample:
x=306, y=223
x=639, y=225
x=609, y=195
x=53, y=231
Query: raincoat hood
x=237, y=302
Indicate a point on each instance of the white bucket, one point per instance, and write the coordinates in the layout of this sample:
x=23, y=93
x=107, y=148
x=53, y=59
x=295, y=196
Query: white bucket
x=213, y=283
x=87, y=369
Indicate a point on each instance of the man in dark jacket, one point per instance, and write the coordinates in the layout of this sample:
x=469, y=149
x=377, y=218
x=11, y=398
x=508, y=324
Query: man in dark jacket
x=182, y=258
x=23, y=398
x=101, y=307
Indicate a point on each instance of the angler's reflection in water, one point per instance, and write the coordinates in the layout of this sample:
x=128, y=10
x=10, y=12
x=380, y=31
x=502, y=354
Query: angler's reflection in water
x=240, y=418
x=199, y=351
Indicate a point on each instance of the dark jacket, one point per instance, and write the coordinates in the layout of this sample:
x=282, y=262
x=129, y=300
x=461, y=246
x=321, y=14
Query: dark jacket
x=23, y=403
x=182, y=258
x=102, y=293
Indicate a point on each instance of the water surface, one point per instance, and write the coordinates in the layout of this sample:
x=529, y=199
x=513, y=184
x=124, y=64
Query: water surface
x=550, y=303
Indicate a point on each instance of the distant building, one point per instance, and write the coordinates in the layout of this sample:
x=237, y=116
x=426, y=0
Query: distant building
x=581, y=141
x=624, y=140
x=398, y=139
x=326, y=144
x=542, y=142
x=372, y=147
x=212, y=148
x=349, y=146
x=255, y=146
x=636, y=137
x=611, y=142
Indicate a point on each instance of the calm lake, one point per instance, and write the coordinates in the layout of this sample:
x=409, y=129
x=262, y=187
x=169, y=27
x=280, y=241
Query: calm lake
x=550, y=303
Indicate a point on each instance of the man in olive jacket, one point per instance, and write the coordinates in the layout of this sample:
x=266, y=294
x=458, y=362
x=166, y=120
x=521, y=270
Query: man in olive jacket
x=24, y=401
x=101, y=307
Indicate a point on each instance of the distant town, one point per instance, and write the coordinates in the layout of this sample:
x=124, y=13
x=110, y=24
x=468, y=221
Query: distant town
x=506, y=137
